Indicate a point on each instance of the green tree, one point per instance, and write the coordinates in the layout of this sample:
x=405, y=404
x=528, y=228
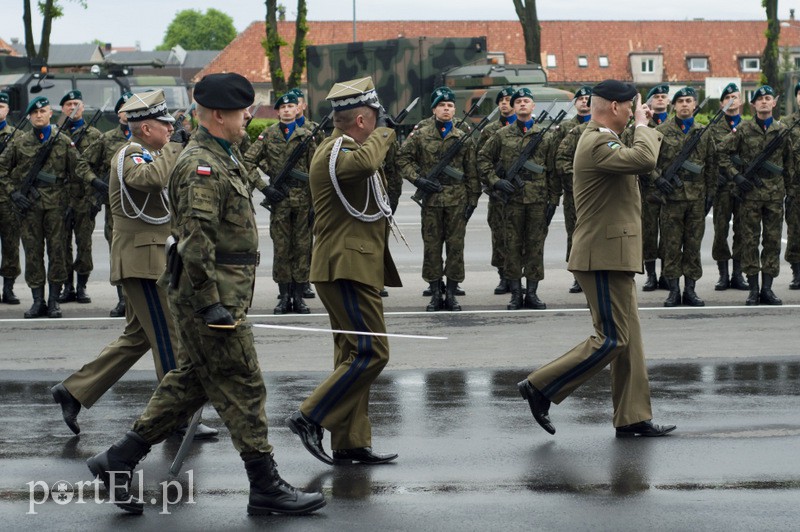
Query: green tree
x=194, y=30
x=531, y=30
x=769, y=60
x=49, y=9
x=273, y=43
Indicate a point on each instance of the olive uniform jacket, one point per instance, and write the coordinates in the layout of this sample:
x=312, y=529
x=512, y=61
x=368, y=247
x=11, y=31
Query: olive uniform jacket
x=346, y=247
x=608, y=233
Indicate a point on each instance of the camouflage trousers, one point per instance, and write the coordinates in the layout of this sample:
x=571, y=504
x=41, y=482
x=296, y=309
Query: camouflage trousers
x=762, y=222
x=9, y=240
x=83, y=228
x=222, y=368
x=494, y=218
x=42, y=227
x=792, y=254
x=526, y=231
x=651, y=246
x=291, y=242
x=570, y=218
x=682, y=228
x=443, y=226
x=726, y=208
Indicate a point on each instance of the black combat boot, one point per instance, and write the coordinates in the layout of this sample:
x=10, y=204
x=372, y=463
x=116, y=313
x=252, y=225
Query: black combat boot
x=8, y=291
x=437, y=302
x=80, y=290
x=674, y=297
x=651, y=284
x=690, y=296
x=794, y=285
x=502, y=286
x=427, y=292
x=284, y=299
x=119, y=310
x=753, y=297
x=459, y=291
x=515, y=287
x=67, y=295
x=575, y=288
x=450, y=301
x=531, y=299
x=53, y=309
x=39, y=307
x=120, y=459
x=308, y=293
x=298, y=305
x=737, y=279
x=767, y=296
x=724, y=278
x=269, y=493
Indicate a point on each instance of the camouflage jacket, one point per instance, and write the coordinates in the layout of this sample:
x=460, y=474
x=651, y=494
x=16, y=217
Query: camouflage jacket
x=504, y=147
x=80, y=192
x=696, y=186
x=270, y=152
x=212, y=213
x=747, y=141
x=6, y=132
x=558, y=133
x=487, y=132
x=18, y=157
x=310, y=125
x=565, y=155
x=425, y=147
x=394, y=181
x=718, y=132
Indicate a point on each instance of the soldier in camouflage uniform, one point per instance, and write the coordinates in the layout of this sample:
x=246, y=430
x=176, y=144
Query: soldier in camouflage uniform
x=9, y=224
x=94, y=163
x=792, y=254
x=494, y=214
x=451, y=199
x=43, y=221
x=288, y=227
x=529, y=209
x=763, y=196
x=562, y=161
x=683, y=209
x=80, y=218
x=210, y=291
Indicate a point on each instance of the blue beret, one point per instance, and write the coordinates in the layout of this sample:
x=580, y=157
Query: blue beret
x=523, y=92
x=508, y=91
x=4, y=98
x=442, y=94
x=684, y=92
x=658, y=89
x=586, y=90
x=289, y=97
x=614, y=91
x=731, y=88
x=71, y=95
x=225, y=91
x=37, y=103
x=763, y=90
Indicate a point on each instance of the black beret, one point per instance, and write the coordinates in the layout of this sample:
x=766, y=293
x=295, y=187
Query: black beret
x=763, y=90
x=4, y=97
x=224, y=91
x=289, y=97
x=508, y=91
x=71, y=95
x=686, y=91
x=586, y=90
x=729, y=89
x=658, y=89
x=523, y=92
x=614, y=91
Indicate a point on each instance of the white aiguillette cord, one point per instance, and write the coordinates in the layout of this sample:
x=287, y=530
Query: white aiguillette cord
x=357, y=333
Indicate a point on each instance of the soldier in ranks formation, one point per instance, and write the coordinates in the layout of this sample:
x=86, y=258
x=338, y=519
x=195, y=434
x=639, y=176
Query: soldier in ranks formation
x=9, y=227
x=792, y=207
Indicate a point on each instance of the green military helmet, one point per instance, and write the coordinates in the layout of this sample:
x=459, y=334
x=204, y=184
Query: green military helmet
x=522, y=92
x=763, y=90
x=730, y=88
x=37, y=103
x=442, y=94
x=289, y=97
x=74, y=94
x=663, y=88
x=683, y=93
x=507, y=91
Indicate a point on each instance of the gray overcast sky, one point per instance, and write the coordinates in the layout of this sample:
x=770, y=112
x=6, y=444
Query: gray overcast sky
x=124, y=23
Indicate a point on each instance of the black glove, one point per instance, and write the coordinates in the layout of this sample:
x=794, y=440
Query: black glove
x=709, y=204
x=217, y=315
x=504, y=185
x=273, y=194
x=468, y=211
x=181, y=136
x=428, y=185
x=664, y=186
x=743, y=184
x=100, y=185
x=21, y=201
x=95, y=209
x=384, y=120
x=551, y=211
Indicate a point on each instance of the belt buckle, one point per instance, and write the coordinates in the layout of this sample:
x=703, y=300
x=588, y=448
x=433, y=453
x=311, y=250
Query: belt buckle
x=258, y=258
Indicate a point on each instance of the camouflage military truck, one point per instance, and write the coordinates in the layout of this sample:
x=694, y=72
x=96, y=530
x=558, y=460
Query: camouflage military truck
x=404, y=69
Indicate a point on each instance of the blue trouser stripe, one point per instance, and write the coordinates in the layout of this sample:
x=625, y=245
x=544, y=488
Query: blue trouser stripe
x=357, y=367
x=157, y=318
x=609, y=331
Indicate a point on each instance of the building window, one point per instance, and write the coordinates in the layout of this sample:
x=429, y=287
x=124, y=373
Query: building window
x=648, y=65
x=698, y=64
x=583, y=61
x=603, y=60
x=752, y=64
x=551, y=60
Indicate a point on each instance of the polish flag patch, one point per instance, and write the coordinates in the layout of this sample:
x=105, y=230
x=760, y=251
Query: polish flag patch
x=137, y=159
x=203, y=170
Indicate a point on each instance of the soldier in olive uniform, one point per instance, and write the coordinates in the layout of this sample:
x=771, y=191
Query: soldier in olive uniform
x=94, y=163
x=288, y=226
x=210, y=290
x=494, y=214
x=792, y=254
x=725, y=208
x=350, y=264
x=9, y=224
x=530, y=208
x=562, y=162
x=80, y=219
x=41, y=213
x=683, y=209
x=451, y=197
x=762, y=195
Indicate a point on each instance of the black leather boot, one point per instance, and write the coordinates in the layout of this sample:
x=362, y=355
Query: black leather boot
x=724, y=277
x=767, y=296
x=80, y=289
x=674, y=297
x=794, y=285
x=531, y=299
x=67, y=295
x=753, y=297
x=459, y=291
x=515, y=287
x=122, y=457
x=436, y=302
x=284, y=299
x=308, y=293
x=737, y=279
x=502, y=286
x=651, y=284
x=39, y=307
x=298, y=305
x=119, y=310
x=9, y=296
x=427, y=292
x=690, y=296
x=575, y=288
x=450, y=301
x=269, y=493
x=53, y=308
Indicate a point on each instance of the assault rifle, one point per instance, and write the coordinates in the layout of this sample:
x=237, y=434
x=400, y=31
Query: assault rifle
x=474, y=107
x=443, y=166
x=91, y=123
x=252, y=114
x=404, y=113
x=762, y=162
x=19, y=125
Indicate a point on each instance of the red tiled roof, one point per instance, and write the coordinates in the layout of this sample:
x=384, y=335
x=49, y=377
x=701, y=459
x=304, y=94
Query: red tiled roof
x=6, y=48
x=723, y=42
